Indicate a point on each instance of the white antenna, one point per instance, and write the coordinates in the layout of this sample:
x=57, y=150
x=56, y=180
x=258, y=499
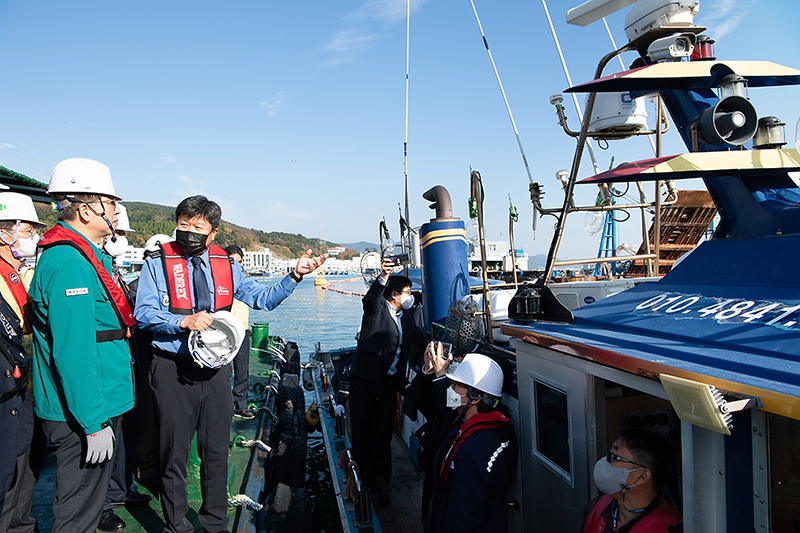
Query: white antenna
x=405, y=141
x=500, y=83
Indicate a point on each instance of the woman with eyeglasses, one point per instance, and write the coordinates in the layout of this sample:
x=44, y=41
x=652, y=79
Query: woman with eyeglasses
x=631, y=475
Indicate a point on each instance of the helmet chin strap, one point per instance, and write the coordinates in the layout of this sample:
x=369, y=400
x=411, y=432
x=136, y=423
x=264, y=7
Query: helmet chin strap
x=14, y=253
x=103, y=216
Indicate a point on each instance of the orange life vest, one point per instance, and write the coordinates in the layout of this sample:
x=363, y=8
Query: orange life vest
x=180, y=287
x=17, y=288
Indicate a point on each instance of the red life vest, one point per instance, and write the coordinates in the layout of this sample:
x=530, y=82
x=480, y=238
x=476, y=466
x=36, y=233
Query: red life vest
x=658, y=520
x=476, y=422
x=57, y=235
x=180, y=287
x=17, y=288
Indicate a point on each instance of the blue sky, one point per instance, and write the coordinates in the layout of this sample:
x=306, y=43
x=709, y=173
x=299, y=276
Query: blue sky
x=287, y=111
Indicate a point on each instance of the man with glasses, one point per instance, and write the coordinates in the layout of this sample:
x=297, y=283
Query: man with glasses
x=388, y=332
x=19, y=234
x=631, y=476
x=83, y=379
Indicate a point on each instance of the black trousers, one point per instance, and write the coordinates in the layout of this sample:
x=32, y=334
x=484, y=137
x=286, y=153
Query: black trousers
x=190, y=400
x=121, y=482
x=373, y=406
x=80, y=489
x=16, y=516
x=241, y=373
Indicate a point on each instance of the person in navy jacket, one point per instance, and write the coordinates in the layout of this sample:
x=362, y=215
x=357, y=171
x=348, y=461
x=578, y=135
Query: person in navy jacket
x=475, y=464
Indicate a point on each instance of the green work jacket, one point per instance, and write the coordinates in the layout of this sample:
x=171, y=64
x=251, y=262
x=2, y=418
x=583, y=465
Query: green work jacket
x=74, y=376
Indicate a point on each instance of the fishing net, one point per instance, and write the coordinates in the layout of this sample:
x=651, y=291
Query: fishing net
x=463, y=325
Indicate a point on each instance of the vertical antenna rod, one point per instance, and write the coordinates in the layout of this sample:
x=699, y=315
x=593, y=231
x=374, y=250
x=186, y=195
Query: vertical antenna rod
x=500, y=83
x=405, y=142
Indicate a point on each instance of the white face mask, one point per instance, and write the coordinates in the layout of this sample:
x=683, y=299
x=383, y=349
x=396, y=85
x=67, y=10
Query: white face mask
x=406, y=300
x=609, y=478
x=453, y=399
x=116, y=249
x=27, y=247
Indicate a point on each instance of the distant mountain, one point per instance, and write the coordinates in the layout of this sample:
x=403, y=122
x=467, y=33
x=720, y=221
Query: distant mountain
x=537, y=262
x=361, y=246
x=148, y=219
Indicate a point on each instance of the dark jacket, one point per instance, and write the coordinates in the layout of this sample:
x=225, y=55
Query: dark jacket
x=379, y=338
x=474, y=496
x=16, y=410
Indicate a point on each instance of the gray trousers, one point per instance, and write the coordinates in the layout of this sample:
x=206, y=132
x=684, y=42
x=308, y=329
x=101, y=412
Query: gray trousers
x=80, y=489
x=190, y=400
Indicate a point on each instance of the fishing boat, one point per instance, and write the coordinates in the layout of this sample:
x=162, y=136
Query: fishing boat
x=706, y=355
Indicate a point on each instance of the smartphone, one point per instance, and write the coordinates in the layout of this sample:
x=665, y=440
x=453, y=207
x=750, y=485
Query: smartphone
x=447, y=349
x=398, y=260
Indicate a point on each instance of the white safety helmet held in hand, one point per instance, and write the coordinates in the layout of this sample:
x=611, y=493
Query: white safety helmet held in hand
x=15, y=206
x=152, y=244
x=123, y=224
x=480, y=372
x=81, y=176
x=217, y=345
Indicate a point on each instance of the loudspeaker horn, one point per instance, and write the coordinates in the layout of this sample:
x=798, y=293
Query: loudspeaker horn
x=732, y=121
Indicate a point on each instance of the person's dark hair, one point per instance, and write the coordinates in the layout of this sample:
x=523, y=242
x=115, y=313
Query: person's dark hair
x=199, y=206
x=233, y=249
x=650, y=449
x=395, y=284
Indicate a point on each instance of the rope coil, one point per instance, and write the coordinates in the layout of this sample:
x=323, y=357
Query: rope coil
x=243, y=500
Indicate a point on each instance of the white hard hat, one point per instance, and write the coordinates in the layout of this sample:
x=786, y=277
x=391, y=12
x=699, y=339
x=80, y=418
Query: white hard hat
x=217, y=345
x=15, y=206
x=480, y=372
x=123, y=224
x=81, y=176
x=152, y=244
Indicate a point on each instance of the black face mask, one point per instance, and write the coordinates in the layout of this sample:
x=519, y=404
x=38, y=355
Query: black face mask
x=190, y=242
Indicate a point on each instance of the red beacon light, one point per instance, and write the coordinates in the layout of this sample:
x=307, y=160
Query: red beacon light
x=703, y=49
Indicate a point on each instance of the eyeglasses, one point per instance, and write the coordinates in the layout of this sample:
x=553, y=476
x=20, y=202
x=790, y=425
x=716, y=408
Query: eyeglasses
x=32, y=232
x=112, y=203
x=406, y=291
x=611, y=457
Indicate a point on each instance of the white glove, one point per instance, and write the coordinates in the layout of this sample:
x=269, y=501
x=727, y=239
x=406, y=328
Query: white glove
x=100, y=446
x=338, y=410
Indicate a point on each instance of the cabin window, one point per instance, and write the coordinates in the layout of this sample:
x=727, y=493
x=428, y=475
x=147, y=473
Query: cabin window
x=784, y=474
x=552, y=428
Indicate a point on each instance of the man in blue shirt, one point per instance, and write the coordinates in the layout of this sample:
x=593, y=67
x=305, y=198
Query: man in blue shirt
x=177, y=291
